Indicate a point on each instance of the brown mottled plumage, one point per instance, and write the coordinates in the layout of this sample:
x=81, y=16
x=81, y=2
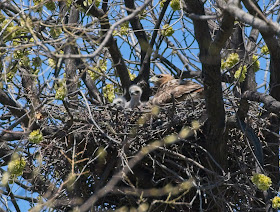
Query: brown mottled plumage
x=169, y=88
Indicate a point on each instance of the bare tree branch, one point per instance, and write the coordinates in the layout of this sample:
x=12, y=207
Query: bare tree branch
x=270, y=103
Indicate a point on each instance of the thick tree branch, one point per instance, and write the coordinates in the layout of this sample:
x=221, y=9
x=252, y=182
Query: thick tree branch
x=92, y=89
x=28, y=83
x=144, y=71
x=13, y=106
x=13, y=199
x=273, y=46
x=140, y=33
x=253, y=21
x=138, y=29
x=270, y=103
x=223, y=34
x=201, y=28
x=71, y=64
x=112, y=46
x=274, y=84
x=211, y=63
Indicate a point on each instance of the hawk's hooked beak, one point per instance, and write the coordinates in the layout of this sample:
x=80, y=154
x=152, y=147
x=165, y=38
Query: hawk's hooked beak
x=135, y=93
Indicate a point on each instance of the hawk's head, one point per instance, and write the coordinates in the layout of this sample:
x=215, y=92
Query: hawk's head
x=135, y=91
x=161, y=79
x=119, y=103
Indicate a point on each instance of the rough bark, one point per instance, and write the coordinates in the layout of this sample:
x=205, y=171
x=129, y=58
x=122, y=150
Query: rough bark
x=144, y=44
x=211, y=63
x=273, y=46
x=71, y=64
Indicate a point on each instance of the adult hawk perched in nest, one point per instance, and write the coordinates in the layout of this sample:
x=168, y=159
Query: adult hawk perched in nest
x=170, y=89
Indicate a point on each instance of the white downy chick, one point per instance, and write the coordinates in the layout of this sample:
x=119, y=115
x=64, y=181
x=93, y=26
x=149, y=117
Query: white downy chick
x=135, y=93
x=119, y=103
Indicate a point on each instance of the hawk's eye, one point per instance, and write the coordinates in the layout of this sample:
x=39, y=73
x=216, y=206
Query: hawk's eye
x=159, y=76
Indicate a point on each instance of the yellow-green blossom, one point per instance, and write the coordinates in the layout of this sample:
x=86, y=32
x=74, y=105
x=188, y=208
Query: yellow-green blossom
x=256, y=63
x=161, y=4
x=264, y=50
x=36, y=62
x=22, y=56
x=55, y=32
x=115, y=32
x=124, y=28
x=11, y=30
x=36, y=2
x=231, y=61
x=240, y=74
x=61, y=92
x=35, y=136
x=50, y=5
x=51, y=62
x=276, y=202
x=143, y=14
x=97, y=3
x=261, y=181
x=16, y=165
x=100, y=68
x=2, y=18
x=24, y=61
x=103, y=65
x=223, y=64
x=175, y=5
x=167, y=30
x=108, y=91
x=5, y=178
x=39, y=5
x=68, y=3
x=132, y=76
x=13, y=70
x=87, y=3
x=19, y=54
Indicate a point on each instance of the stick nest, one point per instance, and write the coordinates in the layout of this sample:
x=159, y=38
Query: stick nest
x=95, y=143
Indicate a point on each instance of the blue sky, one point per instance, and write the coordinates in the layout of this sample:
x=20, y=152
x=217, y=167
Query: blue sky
x=183, y=37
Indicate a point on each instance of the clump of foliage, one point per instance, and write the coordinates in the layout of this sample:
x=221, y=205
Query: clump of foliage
x=61, y=89
x=264, y=50
x=261, y=181
x=167, y=30
x=175, y=5
x=108, y=91
x=276, y=202
x=35, y=136
x=240, y=74
x=124, y=30
x=256, y=63
x=98, y=70
x=16, y=165
x=231, y=61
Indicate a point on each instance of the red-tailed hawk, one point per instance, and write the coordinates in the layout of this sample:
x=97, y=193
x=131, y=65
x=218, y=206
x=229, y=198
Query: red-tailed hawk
x=135, y=93
x=170, y=89
x=119, y=103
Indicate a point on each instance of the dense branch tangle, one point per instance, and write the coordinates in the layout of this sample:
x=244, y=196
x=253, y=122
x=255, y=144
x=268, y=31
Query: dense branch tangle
x=62, y=63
